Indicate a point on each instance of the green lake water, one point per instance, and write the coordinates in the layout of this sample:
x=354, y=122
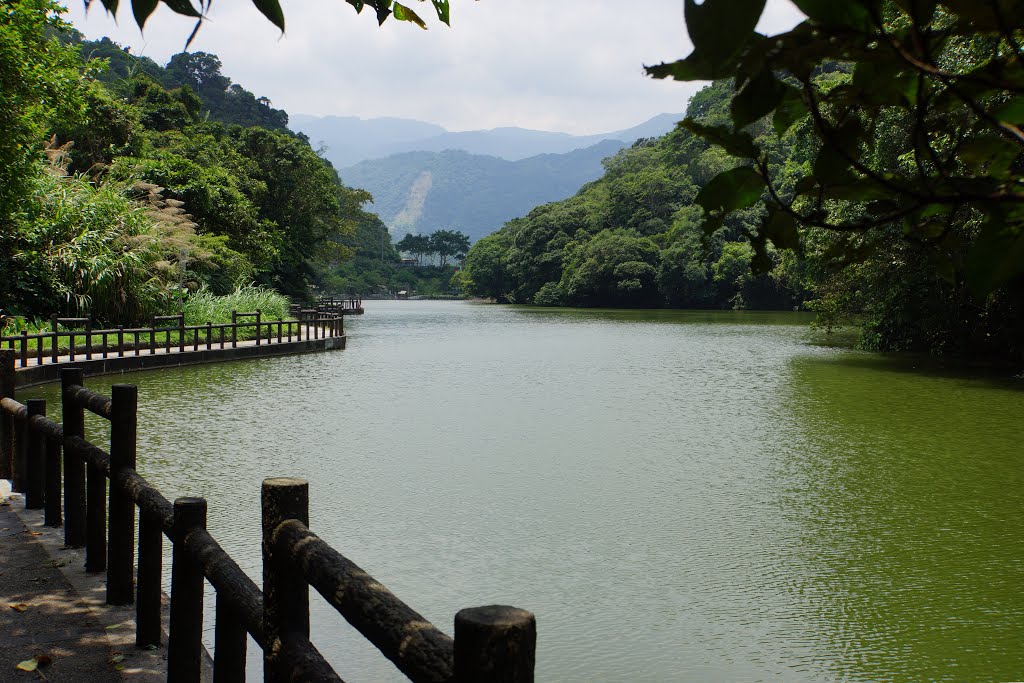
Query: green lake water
x=678, y=496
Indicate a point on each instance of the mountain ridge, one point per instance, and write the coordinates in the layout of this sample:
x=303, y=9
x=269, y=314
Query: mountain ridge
x=348, y=140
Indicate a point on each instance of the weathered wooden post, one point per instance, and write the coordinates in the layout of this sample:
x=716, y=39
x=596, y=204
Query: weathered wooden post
x=147, y=605
x=120, y=341
x=88, y=338
x=56, y=341
x=181, y=333
x=230, y=640
x=24, y=348
x=124, y=401
x=19, y=468
x=95, y=518
x=234, y=329
x=495, y=643
x=259, y=328
x=185, y=639
x=73, y=419
x=285, y=591
x=209, y=335
x=6, y=421
x=35, y=492
x=52, y=513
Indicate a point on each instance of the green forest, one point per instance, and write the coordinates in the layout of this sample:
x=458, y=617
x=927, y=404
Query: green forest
x=829, y=170
x=121, y=180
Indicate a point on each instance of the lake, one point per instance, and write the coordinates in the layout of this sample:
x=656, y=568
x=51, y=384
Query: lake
x=702, y=496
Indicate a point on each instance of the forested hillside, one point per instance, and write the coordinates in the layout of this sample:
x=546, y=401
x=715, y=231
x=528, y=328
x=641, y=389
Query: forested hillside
x=420, y=192
x=635, y=238
x=115, y=182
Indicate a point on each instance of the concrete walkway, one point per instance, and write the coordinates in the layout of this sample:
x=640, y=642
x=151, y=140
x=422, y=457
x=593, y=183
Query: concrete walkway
x=52, y=611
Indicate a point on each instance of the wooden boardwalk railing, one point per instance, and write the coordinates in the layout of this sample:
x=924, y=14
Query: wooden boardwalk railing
x=495, y=643
x=67, y=345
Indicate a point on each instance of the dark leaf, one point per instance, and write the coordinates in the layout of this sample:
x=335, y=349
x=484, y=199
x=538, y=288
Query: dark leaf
x=859, y=190
x=756, y=98
x=441, y=6
x=781, y=228
x=832, y=168
x=183, y=7
x=837, y=13
x=719, y=28
x=271, y=9
x=996, y=257
x=693, y=68
x=1012, y=111
x=142, y=9
x=921, y=11
x=730, y=190
x=192, y=36
x=738, y=144
x=789, y=110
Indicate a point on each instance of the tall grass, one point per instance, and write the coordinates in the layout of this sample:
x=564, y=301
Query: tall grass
x=203, y=306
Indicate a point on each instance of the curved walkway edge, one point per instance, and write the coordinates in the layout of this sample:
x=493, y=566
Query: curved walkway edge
x=34, y=375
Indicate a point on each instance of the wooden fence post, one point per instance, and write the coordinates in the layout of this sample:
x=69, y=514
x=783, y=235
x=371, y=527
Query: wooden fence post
x=95, y=518
x=35, y=492
x=495, y=643
x=259, y=328
x=54, y=352
x=73, y=419
x=52, y=514
x=234, y=329
x=230, y=640
x=19, y=466
x=88, y=338
x=185, y=640
x=124, y=401
x=6, y=421
x=181, y=334
x=147, y=606
x=285, y=592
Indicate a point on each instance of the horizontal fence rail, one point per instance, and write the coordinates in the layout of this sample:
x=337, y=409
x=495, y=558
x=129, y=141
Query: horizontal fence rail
x=103, y=492
x=69, y=344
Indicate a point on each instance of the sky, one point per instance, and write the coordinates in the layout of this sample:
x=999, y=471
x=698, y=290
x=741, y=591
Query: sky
x=573, y=66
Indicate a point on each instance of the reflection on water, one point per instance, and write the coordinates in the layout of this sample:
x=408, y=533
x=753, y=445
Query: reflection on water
x=678, y=496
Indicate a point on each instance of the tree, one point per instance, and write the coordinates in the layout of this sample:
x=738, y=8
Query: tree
x=417, y=245
x=915, y=109
x=448, y=243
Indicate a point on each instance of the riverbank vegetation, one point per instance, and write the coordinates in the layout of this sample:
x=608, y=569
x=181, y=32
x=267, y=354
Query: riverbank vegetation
x=126, y=187
x=865, y=165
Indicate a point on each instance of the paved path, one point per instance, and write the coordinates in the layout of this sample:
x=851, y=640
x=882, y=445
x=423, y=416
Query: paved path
x=52, y=610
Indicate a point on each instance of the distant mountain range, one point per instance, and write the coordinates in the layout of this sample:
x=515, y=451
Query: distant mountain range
x=419, y=192
x=348, y=139
x=424, y=178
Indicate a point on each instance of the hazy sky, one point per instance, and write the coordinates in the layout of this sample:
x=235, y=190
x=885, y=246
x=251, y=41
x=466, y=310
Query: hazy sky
x=561, y=65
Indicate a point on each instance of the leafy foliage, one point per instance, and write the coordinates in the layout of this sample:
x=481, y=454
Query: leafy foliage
x=271, y=9
x=915, y=118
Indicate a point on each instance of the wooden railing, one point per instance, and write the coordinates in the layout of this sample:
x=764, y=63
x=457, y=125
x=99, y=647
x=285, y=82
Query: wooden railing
x=494, y=643
x=121, y=341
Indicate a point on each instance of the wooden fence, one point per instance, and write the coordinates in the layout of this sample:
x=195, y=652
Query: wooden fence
x=121, y=341
x=494, y=643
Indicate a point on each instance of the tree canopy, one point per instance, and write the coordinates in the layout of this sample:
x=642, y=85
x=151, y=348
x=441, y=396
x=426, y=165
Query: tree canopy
x=915, y=108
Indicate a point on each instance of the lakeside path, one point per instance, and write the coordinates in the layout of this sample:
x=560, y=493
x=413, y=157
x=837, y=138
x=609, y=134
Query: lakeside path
x=53, y=611
x=35, y=373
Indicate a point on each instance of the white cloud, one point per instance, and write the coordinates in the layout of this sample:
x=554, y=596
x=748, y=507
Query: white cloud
x=571, y=65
